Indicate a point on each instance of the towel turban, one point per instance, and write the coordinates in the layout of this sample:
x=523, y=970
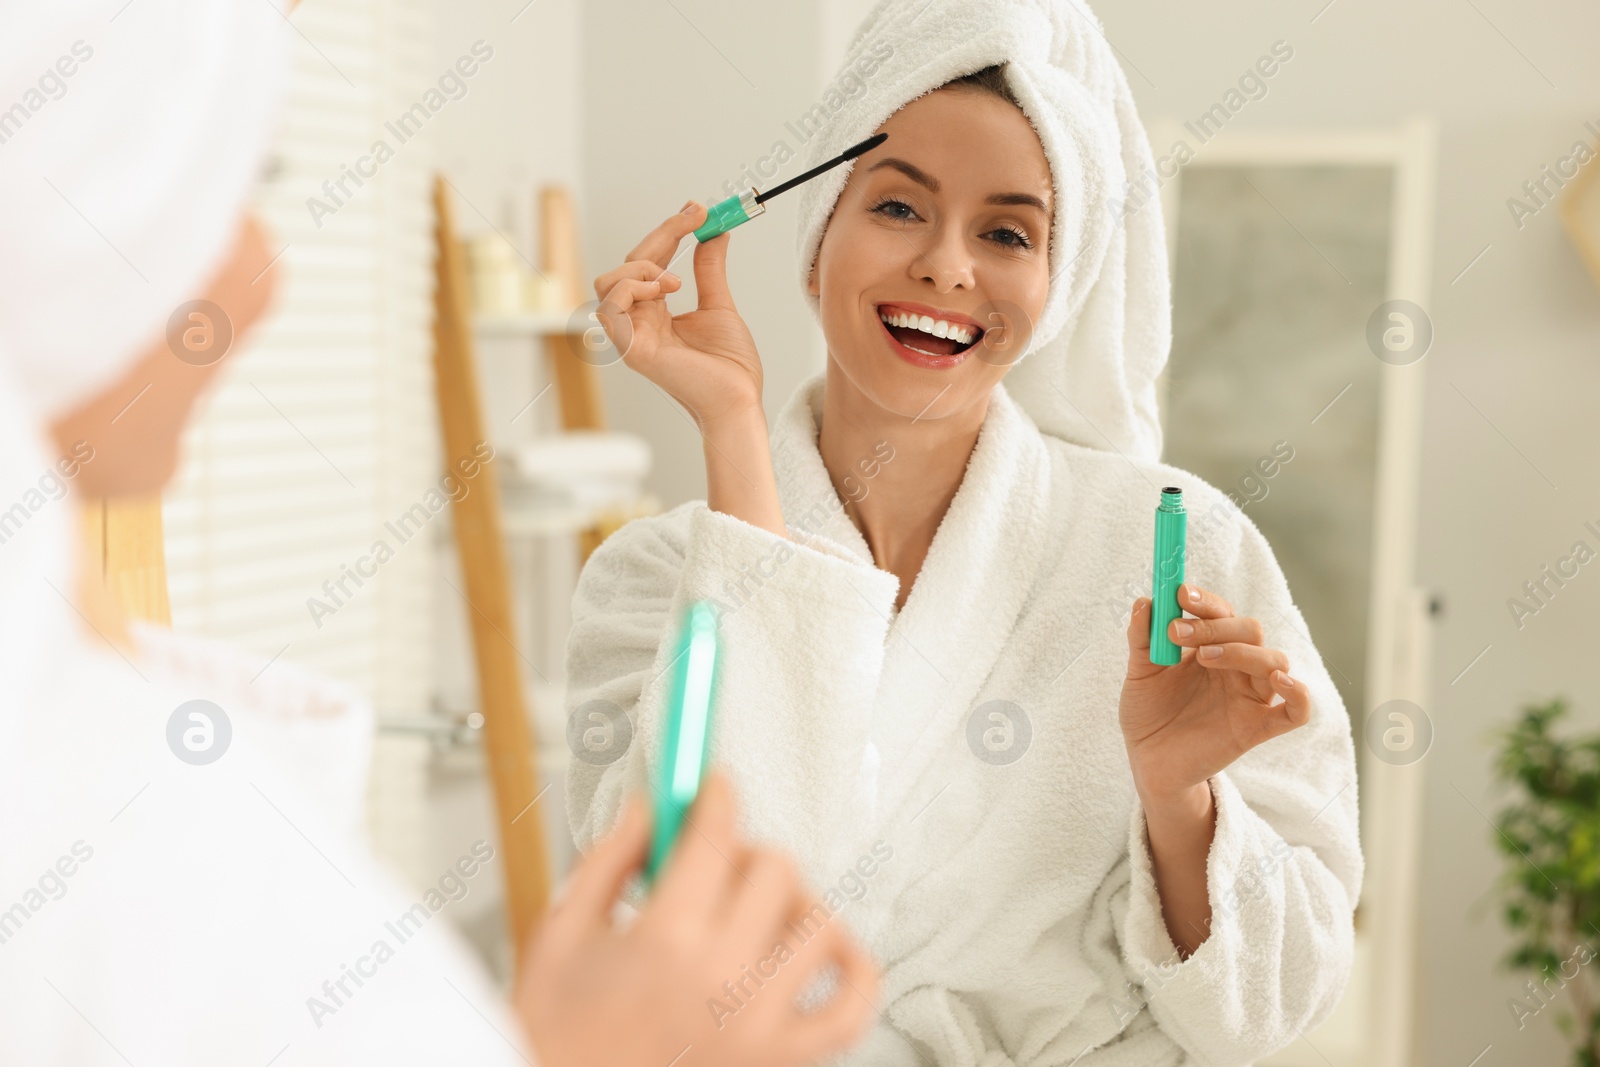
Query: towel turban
x=1088, y=373
x=129, y=158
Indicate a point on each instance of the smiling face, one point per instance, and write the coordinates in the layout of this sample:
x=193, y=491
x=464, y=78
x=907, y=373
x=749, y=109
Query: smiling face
x=944, y=226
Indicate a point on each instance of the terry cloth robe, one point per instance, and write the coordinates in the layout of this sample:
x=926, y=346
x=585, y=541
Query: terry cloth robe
x=952, y=777
x=157, y=912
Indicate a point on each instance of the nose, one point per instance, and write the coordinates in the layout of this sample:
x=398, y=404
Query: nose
x=946, y=261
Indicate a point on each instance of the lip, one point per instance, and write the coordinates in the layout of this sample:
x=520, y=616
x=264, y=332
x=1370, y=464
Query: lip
x=922, y=359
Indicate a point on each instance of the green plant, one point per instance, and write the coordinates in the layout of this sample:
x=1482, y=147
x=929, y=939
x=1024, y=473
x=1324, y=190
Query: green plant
x=1550, y=836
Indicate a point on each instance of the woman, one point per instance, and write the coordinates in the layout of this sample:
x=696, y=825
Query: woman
x=163, y=906
x=914, y=577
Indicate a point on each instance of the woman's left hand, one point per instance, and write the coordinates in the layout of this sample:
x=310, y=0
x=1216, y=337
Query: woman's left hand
x=1186, y=722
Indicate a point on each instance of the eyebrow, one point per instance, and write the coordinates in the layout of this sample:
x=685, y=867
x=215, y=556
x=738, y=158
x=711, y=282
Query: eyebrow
x=921, y=177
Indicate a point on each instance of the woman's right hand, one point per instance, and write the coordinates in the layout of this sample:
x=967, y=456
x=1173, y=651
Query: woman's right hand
x=705, y=359
x=658, y=991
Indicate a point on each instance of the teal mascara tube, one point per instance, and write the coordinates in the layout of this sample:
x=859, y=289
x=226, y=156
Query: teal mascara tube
x=686, y=744
x=1172, y=531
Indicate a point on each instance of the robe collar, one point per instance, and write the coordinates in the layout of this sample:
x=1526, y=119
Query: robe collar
x=964, y=604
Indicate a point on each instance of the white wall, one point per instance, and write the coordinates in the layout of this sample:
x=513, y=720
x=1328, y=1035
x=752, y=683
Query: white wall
x=677, y=99
x=521, y=125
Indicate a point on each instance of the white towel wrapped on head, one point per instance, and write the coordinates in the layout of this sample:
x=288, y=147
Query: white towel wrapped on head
x=1089, y=373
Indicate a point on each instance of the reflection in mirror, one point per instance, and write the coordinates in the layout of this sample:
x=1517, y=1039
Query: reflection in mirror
x=1272, y=394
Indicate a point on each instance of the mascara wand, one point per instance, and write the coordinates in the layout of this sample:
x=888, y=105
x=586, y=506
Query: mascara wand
x=735, y=210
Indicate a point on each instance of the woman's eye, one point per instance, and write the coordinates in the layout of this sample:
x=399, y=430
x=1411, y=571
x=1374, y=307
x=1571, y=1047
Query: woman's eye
x=884, y=209
x=1013, y=238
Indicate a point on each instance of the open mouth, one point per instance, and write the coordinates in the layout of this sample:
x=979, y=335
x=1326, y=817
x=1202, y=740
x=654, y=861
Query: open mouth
x=927, y=335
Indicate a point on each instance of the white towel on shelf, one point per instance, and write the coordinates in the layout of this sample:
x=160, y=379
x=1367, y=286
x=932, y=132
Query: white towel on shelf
x=1089, y=373
x=1014, y=912
x=591, y=468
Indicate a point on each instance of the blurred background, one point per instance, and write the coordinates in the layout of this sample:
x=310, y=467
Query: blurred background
x=1385, y=237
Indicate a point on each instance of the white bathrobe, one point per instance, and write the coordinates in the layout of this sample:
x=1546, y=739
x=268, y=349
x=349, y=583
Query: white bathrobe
x=1016, y=917
x=158, y=912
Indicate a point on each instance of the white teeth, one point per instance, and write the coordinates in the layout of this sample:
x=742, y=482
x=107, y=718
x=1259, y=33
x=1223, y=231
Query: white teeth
x=928, y=325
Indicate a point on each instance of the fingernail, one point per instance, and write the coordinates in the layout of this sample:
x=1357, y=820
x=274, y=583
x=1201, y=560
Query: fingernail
x=1287, y=681
x=1210, y=651
x=1183, y=627
x=1194, y=597
x=687, y=209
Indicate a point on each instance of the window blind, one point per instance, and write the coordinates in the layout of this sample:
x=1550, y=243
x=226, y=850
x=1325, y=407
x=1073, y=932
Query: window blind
x=323, y=426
